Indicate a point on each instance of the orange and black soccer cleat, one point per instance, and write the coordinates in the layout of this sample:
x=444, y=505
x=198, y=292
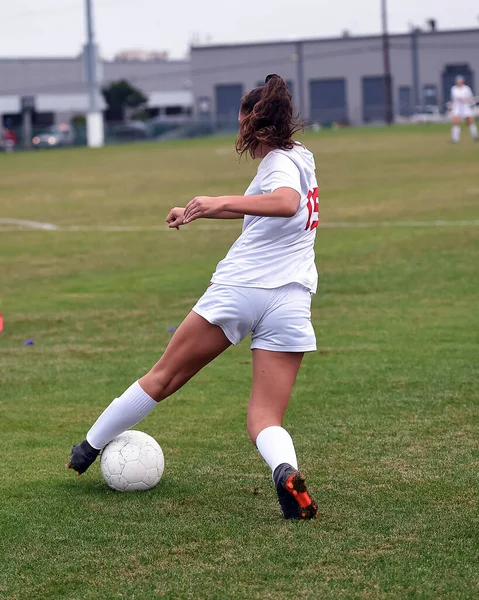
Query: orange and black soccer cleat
x=293, y=495
x=83, y=455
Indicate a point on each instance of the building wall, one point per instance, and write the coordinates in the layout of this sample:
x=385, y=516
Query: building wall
x=60, y=79
x=154, y=76
x=353, y=59
x=245, y=65
x=24, y=76
x=348, y=58
x=448, y=48
x=299, y=62
x=66, y=75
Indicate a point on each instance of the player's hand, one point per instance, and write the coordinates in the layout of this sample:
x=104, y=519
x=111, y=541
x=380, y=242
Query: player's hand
x=201, y=207
x=175, y=218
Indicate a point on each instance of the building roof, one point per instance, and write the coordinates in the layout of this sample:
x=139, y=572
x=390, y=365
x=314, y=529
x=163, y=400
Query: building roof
x=332, y=39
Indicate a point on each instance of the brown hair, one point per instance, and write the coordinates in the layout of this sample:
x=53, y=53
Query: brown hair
x=268, y=117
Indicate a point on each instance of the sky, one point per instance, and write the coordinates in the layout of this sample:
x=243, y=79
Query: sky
x=57, y=27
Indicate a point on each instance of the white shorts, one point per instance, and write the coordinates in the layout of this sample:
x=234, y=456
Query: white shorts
x=278, y=319
x=463, y=111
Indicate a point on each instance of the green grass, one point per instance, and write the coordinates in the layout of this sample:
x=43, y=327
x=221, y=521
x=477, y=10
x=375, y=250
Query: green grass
x=385, y=416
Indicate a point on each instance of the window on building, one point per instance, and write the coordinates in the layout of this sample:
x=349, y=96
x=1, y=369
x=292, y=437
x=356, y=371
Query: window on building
x=152, y=112
x=43, y=119
x=429, y=95
x=405, y=101
x=173, y=110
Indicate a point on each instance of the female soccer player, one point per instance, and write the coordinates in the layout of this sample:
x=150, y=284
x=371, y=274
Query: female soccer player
x=263, y=287
x=461, y=101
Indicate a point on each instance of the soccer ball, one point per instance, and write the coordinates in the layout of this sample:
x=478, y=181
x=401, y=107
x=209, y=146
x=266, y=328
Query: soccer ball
x=132, y=461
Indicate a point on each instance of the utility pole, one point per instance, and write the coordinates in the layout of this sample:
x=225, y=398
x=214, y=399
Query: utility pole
x=94, y=121
x=415, y=64
x=387, y=65
x=28, y=107
x=298, y=57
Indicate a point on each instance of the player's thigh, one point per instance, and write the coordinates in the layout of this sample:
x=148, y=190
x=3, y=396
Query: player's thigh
x=274, y=374
x=194, y=344
x=456, y=119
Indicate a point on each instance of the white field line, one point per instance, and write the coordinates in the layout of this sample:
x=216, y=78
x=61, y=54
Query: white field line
x=22, y=225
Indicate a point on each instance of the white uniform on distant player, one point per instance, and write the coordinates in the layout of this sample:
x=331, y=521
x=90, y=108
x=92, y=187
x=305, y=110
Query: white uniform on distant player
x=462, y=99
x=275, y=256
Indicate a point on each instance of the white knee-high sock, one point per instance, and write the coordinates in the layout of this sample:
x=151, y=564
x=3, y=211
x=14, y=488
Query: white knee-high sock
x=473, y=130
x=122, y=414
x=276, y=447
x=456, y=133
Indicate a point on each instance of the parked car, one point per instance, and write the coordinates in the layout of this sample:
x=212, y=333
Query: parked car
x=127, y=131
x=428, y=114
x=55, y=136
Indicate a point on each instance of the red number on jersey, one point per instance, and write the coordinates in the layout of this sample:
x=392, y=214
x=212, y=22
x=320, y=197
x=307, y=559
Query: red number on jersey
x=313, y=209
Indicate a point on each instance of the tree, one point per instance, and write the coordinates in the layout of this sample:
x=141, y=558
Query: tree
x=119, y=96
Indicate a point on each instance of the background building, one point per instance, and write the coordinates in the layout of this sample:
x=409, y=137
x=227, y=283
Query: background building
x=337, y=79
x=58, y=85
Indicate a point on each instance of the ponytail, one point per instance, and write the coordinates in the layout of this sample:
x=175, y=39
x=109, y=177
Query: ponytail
x=267, y=118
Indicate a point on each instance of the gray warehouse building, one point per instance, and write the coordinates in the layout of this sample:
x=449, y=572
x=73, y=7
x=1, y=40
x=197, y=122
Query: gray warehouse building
x=337, y=79
x=332, y=80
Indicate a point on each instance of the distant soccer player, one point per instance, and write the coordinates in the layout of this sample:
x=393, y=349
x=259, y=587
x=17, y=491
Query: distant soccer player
x=263, y=286
x=461, y=108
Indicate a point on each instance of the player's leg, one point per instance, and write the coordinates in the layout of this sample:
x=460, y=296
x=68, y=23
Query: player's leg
x=456, y=128
x=472, y=128
x=274, y=374
x=279, y=341
x=195, y=343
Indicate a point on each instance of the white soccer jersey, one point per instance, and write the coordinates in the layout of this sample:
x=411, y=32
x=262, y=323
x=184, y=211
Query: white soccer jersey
x=461, y=95
x=274, y=251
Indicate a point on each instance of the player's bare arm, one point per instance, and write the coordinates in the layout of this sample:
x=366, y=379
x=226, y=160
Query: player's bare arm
x=283, y=202
x=175, y=217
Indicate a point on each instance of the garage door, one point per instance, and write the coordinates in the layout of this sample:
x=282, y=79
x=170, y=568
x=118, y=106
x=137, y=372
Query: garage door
x=374, y=98
x=328, y=101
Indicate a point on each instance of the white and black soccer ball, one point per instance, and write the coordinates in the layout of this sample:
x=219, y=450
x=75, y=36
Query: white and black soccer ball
x=132, y=461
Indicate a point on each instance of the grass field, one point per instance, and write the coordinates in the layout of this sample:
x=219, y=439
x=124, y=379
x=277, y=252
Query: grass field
x=385, y=416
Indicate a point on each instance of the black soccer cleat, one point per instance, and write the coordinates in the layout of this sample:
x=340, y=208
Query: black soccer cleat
x=83, y=455
x=294, y=498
